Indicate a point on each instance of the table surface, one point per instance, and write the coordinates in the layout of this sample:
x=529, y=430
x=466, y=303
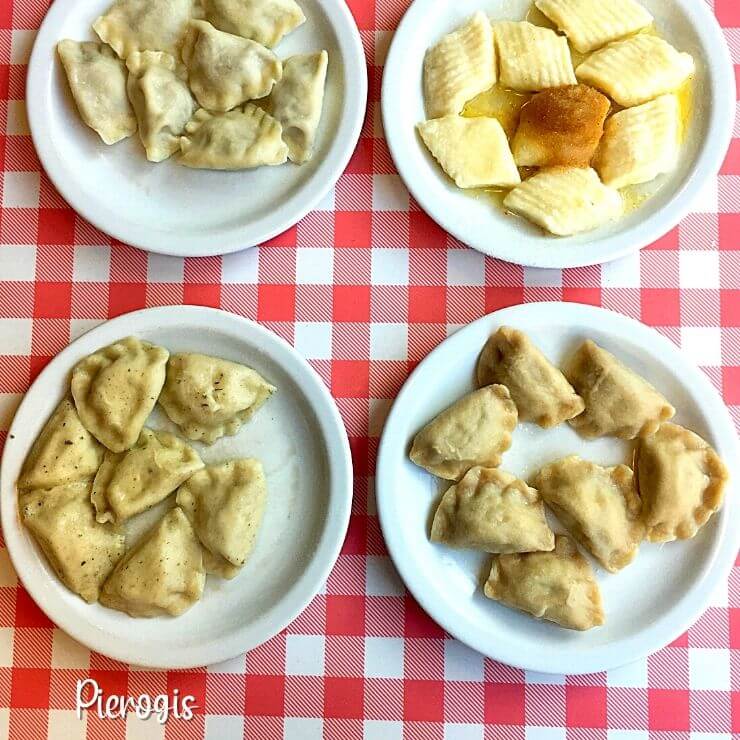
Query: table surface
x=364, y=287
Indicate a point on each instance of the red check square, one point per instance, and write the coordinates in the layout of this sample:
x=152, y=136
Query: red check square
x=423, y=701
x=661, y=306
x=351, y=303
x=729, y=231
x=27, y=614
x=427, y=304
x=344, y=697
x=585, y=706
x=276, y=303
x=345, y=615
x=730, y=307
x=265, y=695
x=125, y=297
x=201, y=294
x=728, y=13
x=504, y=704
x=668, y=709
x=56, y=226
x=30, y=688
x=352, y=229
x=350, y=378
x=425, y=233
x=52, y=300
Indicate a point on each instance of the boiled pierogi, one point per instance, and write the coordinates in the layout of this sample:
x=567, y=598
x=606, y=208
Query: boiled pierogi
x=208, y=397
x=144, y=25
x=539, y=390
x=263, y=21
x=225, y=70
x=81, y=551
x=131, y=482
x=225, y=503
x=599, y=506
x=157, y=87
x=619, y=402
x=97, y=79
x=240, y=139
x=681, y=480
x=163, y=574
x=459, y=66
x=589, y=24
x=116, y=388
x=473, y=431
x=297, y=100
x=64, y=452
x=558, y=586
x=492, y=510
x=474, y=152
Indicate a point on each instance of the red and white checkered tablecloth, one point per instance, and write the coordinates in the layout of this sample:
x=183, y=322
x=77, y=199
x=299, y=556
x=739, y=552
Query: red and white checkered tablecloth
x=364, y=287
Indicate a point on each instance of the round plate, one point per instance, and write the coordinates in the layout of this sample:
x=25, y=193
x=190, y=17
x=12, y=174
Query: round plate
x=481, y=223
x=171, y=209
x=299, y=437
x=651, y=601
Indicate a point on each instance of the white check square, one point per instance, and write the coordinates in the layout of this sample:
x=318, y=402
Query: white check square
x=313, y=339
x=462, y=663
x=709, y=669
x=389, y=193
x=384, y=657
x=390, y=266
x=703, y=344
x=389, y=341
x=92, y=264
x=15, y=336
x=304, y=655
x=314, y=266
x=699, y=269
x=21, y=189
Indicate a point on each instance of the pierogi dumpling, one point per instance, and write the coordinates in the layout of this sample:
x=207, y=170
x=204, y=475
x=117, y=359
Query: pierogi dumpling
x=558, y=586
x=163, y=574
x=144, y=25
x=681, y=481
x=599, y=506
x=297, y=100
x=225, y=70
x=97, y=79
x=133, y=481
x=81, y=551
x=263, y=21
x=619, y=402
x=116, y=388
x=158, y=90
x=493, y=511
x=225, y=503
x=539, y=390
x=64, y=452
x=473, y=431
x=208, y=397
x=459, y=66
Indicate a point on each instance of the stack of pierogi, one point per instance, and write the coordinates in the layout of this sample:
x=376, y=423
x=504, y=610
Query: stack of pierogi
x=199, y=77
x=95, y=466
x=599, y=109
x=675, y=485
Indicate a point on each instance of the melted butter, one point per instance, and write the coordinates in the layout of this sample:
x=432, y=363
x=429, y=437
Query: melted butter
x=537, y=18
x=633, y=197
x=685, y=95
x=500, y=103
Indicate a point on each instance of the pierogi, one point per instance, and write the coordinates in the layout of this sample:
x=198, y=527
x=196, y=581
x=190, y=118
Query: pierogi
x=493, y=511
x=130, y=482
x=473, y=431
x=64, y=452
x=208, y=397
x=226, y=70
x=681, y=481
x=81, y=551
x=115, y=390
x=599, y=506
x=97, y=79
x=225, y=504
x=163, y=574
x=539, y=390
x=297, y=100
x=157, y=87
x=619, y=402
x=558, y=586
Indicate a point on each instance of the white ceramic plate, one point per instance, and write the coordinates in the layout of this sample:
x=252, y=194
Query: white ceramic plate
x=171, y=209
x=651, y=601
x=482, y=224
x=299, y=437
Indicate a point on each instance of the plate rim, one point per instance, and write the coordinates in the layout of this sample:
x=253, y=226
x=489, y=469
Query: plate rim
x=709, y=159
x=210, y=243
x=325, y=553
x=717, y=568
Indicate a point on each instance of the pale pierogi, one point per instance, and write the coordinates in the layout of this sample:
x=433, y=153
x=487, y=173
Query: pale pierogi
x=226, y=70
x=619, y=402
x=539, y=390
x=81, y=551
x=598, y=505
x=473, y=431
x=225, y=504
x=97, y=79
x=492, y=510
x=116, y=388
x=157, y=87
x=208, y=397
x=163, y=574
x=558, y=586
x=681, y=480
x=64, y=452
x=133, y=481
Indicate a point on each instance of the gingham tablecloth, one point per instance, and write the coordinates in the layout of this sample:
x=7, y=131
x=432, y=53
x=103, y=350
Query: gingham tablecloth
x=364, y=287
